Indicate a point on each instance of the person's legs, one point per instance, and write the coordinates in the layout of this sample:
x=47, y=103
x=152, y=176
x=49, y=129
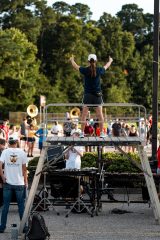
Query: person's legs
x=23, y=143
x=32, y=147
x=20, y=194
x=40, y=146
x=7, y=193
x=99, y=115
x=29, y=147
x=83, y=117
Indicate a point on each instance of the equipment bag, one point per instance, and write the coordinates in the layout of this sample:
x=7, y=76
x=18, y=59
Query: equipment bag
x=37, y=229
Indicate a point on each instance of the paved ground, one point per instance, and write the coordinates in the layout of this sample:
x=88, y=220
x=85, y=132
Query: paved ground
x=138, y=224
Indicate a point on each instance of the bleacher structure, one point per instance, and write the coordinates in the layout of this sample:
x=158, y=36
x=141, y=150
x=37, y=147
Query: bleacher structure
x=117, y=142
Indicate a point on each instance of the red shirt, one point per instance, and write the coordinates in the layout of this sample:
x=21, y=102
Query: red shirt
x=6, y=130
x=98, y=131
x=88, y=130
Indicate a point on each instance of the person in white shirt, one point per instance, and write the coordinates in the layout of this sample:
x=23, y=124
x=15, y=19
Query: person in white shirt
x=74, y=154
x=75, y=129
x=2, y=147
x=14, y=179
x=57, y=129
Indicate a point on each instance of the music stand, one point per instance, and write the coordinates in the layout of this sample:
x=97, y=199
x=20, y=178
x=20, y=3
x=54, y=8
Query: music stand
x=46, y=203
x=79, y=204
x=53, y=155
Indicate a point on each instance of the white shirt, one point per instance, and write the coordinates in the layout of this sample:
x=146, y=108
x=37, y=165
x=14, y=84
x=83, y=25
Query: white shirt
x=14, y=135
x=75, y=131
x=74, y=160
x=13, y=159
x=57, y=129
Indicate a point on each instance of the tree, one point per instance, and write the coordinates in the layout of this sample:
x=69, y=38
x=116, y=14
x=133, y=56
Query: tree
x=61, y=7
x=20, y=14
x=53, y=34
x=120, y=45
x=81, y=11
x=133, y=20
x=19, y=70
x=140, y=77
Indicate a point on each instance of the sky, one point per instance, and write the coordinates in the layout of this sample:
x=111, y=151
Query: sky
x=97, y=7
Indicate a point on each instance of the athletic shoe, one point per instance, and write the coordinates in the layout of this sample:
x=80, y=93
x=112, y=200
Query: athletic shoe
x=81, y=135
x=2, y=230
x=102, y=135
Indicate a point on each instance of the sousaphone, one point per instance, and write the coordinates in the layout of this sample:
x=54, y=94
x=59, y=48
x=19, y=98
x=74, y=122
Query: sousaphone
x=32, y=112
x=75, y=113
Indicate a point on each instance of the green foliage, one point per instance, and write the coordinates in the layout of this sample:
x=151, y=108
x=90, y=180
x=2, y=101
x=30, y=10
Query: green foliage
x=82, y=11
x=113, y=162
x=19, y=69
x=89, y=159
x=38, y=54
x=33, y=163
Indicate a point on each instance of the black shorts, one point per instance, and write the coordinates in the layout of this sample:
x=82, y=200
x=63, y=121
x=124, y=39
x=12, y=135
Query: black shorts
x=31, y=139
x=23, y=139
x=89, y=98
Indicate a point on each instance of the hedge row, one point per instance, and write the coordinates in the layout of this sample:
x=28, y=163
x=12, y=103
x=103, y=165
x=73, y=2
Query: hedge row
x=112, y=162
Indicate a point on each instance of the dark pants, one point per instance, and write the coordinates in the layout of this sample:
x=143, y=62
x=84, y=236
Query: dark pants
x=7, y=196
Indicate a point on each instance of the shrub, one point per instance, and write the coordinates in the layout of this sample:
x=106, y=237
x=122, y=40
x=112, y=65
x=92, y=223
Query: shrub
x=112, y=162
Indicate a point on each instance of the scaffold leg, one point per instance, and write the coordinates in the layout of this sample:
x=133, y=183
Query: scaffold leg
x=155, y=204
x=33, y=190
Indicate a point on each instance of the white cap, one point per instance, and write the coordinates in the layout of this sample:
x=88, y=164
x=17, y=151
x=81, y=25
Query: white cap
x=13, y=140
x=92, y=56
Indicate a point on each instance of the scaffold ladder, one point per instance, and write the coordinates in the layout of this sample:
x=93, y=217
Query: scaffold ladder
x=155, y=204
x=33, y=190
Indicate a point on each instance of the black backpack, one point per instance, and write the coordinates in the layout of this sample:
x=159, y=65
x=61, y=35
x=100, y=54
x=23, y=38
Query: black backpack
x=37, y=229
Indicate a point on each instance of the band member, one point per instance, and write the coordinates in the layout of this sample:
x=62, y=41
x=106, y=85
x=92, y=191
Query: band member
x=23, y=131
x=92, y=88
x=57, y=129
x=41, y=133
x=74, y=154
x=31, y=140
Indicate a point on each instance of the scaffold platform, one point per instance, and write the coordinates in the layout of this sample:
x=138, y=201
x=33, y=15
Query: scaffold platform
x=96, y=141
x=118, y=142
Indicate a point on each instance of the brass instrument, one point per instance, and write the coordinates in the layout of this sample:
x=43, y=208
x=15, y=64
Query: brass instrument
x=75, y=112
x=32, y=111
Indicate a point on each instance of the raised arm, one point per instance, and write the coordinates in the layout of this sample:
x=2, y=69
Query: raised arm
x=74, y=64
x=107, y=65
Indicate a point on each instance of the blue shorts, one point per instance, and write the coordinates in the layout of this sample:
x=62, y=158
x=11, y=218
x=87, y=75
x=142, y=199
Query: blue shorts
x=40, y=144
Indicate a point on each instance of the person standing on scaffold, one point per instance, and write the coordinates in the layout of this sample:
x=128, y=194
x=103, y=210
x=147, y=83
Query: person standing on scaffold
x=92, y=89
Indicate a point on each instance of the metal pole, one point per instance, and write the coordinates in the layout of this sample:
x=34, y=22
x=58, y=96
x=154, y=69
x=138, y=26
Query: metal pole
x=155, y=79
x=40, y=115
